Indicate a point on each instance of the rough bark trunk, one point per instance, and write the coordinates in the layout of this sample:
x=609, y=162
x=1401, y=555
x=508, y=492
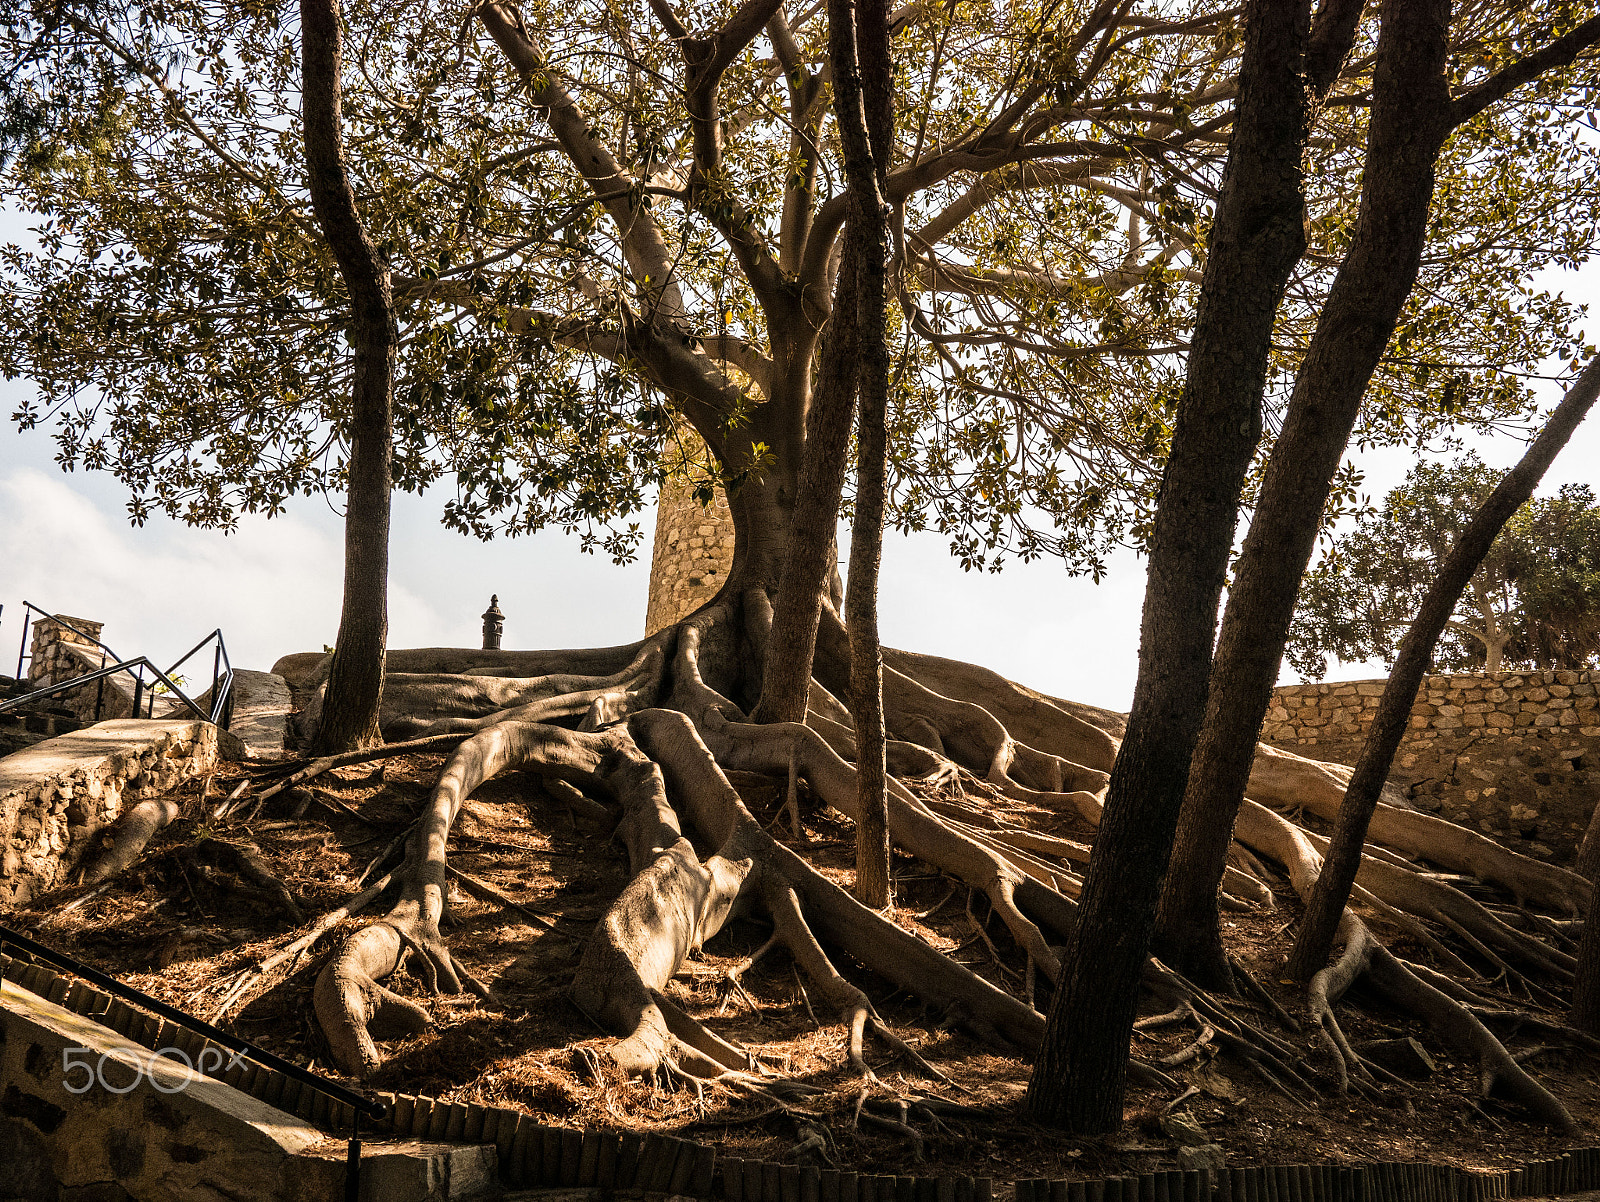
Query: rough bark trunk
x=866, y=94
x=1258, y=237
x=1585, y=1015
x=1343, y=858
x=1588, y=865
x=1410, y=118
x=812, y=548
x=355, y=683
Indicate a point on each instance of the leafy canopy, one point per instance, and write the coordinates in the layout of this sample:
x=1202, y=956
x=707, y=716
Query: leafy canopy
x=589, y=233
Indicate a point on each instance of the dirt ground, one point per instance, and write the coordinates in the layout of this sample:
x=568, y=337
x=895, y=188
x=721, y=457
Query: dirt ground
x=182, y=928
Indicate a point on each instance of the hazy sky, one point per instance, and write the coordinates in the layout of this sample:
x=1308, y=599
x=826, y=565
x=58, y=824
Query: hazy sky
x=273, y=587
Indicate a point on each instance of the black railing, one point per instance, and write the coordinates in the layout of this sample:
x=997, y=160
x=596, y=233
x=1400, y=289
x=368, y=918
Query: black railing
x=144, y=693
x=359, y=1104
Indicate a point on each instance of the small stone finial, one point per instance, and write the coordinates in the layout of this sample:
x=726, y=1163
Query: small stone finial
x=494, y=624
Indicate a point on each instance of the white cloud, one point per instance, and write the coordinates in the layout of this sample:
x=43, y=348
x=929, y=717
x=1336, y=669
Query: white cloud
x=272, y=586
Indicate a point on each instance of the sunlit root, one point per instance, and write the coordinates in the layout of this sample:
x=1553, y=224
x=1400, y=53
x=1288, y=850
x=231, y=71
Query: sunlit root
x=975, y=762
x=1366, y=958
x=130, y=837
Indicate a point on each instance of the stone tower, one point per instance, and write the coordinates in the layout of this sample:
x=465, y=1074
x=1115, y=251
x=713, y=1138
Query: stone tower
x=693, y=546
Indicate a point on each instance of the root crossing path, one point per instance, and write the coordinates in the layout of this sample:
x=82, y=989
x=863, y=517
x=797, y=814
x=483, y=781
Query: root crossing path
x=993, y=786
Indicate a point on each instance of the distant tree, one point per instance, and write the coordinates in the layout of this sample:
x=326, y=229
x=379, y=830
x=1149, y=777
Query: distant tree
x=1554, y=563
x=1533, y=602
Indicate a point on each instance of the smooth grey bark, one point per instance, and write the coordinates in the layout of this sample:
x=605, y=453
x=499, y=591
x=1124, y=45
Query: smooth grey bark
x=1343, y=858
x=1258, y=237
x=355, y=681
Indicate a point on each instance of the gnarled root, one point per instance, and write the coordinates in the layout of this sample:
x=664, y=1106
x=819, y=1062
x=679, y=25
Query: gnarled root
x=961, y=740
x=1364, y=956
x=353, y=1008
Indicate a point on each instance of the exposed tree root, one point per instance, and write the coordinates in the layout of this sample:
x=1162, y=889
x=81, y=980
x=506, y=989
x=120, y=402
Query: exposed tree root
x=130, y=837
x=1364, y=956
x=969, y=754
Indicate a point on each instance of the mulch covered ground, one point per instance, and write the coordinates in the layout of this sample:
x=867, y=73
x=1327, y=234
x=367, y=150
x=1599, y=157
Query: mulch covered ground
x=181, y=928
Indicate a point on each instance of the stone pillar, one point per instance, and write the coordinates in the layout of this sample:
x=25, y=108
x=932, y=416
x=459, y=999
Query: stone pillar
x=45, y=662
x=693, y=550
x=494, y=624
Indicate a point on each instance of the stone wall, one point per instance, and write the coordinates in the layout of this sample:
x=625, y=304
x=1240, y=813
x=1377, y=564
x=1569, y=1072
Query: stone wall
x=1513, y=754
x=57, y=796
x=692, y=555
x=58, y=654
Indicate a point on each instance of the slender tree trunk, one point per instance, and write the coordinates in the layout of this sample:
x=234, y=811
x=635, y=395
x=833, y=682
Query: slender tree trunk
x=1586, y=981
x=1495, y=636
x=863, y=94
x=1332, y=890
x=355, y=683
x=812, y=554
x=1409, y=121
x=1258, y=237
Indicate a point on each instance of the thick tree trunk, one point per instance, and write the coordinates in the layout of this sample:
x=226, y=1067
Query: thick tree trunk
x=1409, y=121
x=1343, y=857
x=1257, y=239
x=355, y=682
x=871, y=91
x=811, y=545
x=1588, y=865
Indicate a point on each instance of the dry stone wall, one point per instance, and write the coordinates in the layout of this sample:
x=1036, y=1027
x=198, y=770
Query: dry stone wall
x=1513, y=754
x=693, y=553
x=56, y=797
x=58, y=653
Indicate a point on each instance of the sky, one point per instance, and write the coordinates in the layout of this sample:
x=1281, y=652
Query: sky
x=273, y=587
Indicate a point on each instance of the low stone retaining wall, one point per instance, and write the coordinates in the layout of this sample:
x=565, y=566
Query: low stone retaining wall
x=1513, y=754
x=57, y=796
x=1447, y=706
x=90, y=1113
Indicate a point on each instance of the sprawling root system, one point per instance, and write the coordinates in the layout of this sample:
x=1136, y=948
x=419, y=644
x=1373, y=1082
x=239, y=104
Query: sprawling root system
x=652, y=732
x=995, y=794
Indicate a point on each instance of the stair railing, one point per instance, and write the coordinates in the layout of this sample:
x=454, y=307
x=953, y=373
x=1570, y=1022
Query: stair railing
x=144, y=694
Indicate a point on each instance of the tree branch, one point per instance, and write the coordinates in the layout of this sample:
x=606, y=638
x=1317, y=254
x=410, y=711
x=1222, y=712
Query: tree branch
x=646, y=250
x=1500, y=85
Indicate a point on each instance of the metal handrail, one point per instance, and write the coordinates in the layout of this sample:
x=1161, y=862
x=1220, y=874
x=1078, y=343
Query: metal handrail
x=100, y=673
x=362, y=1105
x=222, y=673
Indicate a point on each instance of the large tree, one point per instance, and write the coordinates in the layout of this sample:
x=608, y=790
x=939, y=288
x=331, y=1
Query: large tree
x=355, y=677
x=1533, y=602
x=599, y=217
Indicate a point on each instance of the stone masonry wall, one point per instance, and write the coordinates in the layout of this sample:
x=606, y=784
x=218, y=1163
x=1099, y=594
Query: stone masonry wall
x=57, y=796
x=1513, y=754
x=693, y=553
x=58, y=654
